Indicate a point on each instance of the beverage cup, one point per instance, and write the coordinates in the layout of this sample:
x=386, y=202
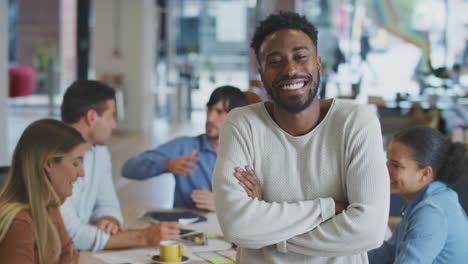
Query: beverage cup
x=171, y=251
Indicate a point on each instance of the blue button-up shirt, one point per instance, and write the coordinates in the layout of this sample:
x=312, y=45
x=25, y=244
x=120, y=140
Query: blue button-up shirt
x=152, y=163
x=433, y=229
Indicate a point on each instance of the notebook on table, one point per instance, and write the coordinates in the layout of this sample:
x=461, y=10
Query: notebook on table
x=183, y=218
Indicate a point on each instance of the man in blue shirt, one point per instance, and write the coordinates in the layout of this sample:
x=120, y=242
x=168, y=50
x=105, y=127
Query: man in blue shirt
x=190, y=159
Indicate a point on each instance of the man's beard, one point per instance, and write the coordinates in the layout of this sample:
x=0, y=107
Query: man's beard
x=211, y=137
x=295, y=107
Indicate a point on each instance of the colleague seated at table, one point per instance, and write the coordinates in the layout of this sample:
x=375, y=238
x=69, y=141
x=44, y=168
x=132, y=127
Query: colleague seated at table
x=92, y=214
x=320, y=164
x=190, y=159
x=434, y=227
x=47, y=160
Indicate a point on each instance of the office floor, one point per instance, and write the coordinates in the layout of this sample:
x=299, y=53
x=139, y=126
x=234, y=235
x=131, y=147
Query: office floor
x=156, y=192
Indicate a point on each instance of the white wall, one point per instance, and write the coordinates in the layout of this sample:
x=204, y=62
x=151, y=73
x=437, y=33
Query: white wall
x=133, y=30
x=4, y=160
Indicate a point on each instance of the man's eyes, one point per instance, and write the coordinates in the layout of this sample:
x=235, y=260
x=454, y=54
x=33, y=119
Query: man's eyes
x=218, y=111
x=274, y=62
x=278, y=61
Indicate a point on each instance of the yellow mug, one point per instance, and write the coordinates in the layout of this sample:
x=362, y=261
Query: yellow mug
x=171, y=251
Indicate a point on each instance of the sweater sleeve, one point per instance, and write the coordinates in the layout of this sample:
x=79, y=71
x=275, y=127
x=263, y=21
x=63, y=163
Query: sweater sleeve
x=107, y=203
x=361, y=227
x=151, y=163
x=251, y=223
x=85, y=236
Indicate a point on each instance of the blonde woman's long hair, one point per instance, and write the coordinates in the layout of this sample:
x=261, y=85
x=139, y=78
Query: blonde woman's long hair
x=28, y=187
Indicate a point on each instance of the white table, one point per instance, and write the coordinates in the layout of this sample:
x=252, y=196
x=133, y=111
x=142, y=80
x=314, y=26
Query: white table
x=143, y=255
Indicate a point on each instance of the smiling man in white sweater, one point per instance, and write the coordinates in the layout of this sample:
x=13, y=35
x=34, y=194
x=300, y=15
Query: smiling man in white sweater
x=318, y=191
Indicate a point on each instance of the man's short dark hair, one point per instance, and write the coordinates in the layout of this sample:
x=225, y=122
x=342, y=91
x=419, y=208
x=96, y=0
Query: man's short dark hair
x=82, y=96
x=231, y=97
x=282, y=20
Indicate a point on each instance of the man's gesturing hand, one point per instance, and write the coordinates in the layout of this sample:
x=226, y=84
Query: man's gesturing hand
x=181, y=165
x=203, y=199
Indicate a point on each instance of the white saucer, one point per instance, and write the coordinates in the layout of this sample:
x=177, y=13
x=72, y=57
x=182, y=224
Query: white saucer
x=156, y=259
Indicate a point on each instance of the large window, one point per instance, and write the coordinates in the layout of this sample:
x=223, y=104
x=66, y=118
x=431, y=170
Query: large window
x=12, y=20
x=211, y=47
x=391, y=47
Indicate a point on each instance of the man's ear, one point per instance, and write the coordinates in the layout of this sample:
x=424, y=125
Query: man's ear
x=319, y=64
x=261, y=76
x=260, y=72
x=259, y=68
x=90, y=117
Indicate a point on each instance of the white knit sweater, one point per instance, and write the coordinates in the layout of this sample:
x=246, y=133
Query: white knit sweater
x=341, y=159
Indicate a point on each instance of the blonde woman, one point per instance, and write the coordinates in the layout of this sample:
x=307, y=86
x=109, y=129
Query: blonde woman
x=46, y=162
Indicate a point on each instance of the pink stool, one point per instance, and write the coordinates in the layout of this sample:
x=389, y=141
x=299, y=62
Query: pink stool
x=22, y=80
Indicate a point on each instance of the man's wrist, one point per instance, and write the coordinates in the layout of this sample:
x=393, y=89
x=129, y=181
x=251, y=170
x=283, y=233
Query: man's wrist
x=143, y=237
x=128, y=239
x=168, y=164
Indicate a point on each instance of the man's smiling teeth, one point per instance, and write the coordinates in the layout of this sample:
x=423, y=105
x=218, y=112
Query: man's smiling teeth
x=293, y=86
